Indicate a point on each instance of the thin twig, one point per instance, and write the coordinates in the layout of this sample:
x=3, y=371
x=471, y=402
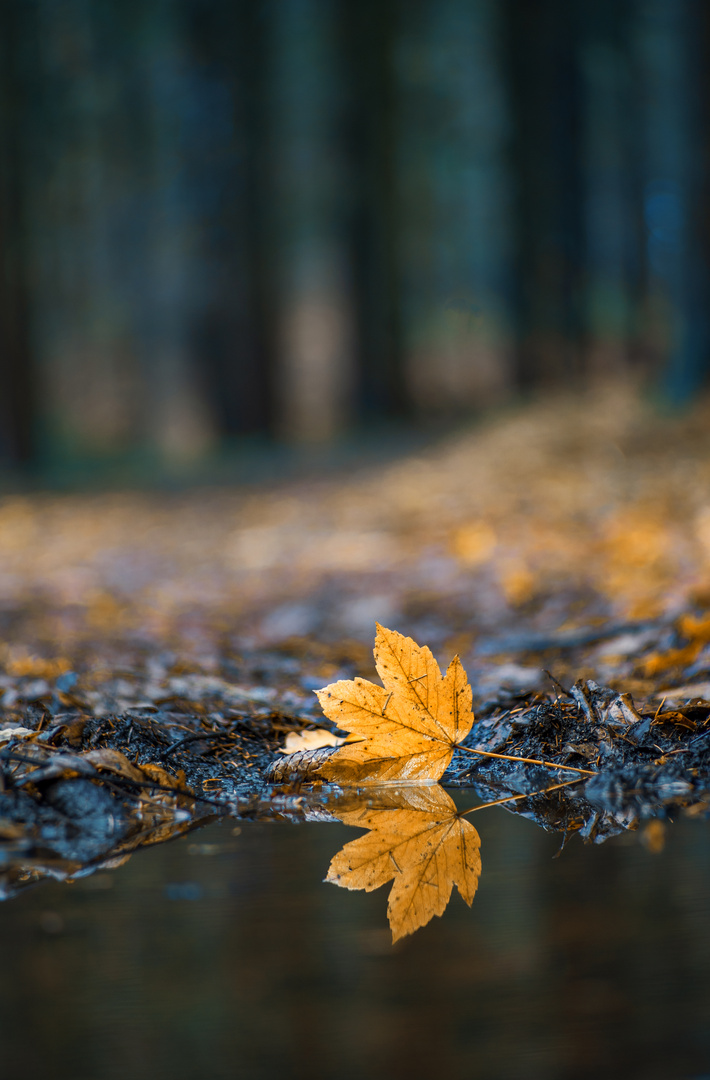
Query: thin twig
x=554, y=682
x=516, y=798
x=528, y=760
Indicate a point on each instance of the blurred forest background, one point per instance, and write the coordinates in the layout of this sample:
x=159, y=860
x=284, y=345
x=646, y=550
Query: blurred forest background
x=223, y=219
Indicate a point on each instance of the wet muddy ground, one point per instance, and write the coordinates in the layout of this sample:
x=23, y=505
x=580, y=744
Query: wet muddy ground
x=80, y=789
x=158, y=648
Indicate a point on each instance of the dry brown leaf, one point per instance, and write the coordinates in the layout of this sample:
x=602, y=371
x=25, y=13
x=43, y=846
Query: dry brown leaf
x=697, y=631
x=8, y=734
x=165, y=779
x=424, y=846
x=114, y=761
x=408, y=727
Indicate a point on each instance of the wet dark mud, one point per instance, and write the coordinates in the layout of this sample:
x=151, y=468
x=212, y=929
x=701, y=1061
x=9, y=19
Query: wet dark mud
x=95, y=765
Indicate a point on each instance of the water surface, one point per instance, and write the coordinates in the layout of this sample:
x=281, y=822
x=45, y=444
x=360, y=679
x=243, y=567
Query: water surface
x=224, y=955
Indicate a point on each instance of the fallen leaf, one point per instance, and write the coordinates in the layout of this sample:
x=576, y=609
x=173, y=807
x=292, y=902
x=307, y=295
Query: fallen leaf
x=422, y=845
x=24, y=665
x=114, y=761
x=408, y=727
x=699, y=690
x=165, y=779
x=111, y=761
x=658, y=663
x=697, y=633
x=7, y=734
x=310, y=740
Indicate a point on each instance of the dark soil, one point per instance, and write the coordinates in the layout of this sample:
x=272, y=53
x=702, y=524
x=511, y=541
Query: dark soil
x=198, y=746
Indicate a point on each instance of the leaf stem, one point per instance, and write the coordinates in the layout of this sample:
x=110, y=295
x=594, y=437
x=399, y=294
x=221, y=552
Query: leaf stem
x=528, y=760
x=516, y=798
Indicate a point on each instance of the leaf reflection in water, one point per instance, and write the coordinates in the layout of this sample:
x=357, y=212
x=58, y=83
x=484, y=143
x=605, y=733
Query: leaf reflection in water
x=417, y=840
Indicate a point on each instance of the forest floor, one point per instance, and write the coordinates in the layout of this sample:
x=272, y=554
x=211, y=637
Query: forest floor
x=156, y=648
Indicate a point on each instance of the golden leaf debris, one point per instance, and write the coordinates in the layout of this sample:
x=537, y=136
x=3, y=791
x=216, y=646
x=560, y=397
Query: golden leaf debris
x=409, y=726
x=422, y=845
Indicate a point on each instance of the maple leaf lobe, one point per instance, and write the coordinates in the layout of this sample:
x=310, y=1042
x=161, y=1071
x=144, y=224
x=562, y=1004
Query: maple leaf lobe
x=410, y=725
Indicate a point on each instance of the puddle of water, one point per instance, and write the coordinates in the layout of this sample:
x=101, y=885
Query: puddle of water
x=223, y=955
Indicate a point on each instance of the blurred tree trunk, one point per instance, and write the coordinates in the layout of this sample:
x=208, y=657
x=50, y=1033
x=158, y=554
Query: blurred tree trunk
x=176, y=417
x=455, y=190
x=314, y=373
x=613, y=169
x=17, y=385
x=543, y=77
x=368, y=36
x=232, y=338
x=86, y=226
x=671, y=40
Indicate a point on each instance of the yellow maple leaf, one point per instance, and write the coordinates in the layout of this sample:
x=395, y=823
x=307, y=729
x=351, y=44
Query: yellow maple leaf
x=408, y=727
x=422, y=845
